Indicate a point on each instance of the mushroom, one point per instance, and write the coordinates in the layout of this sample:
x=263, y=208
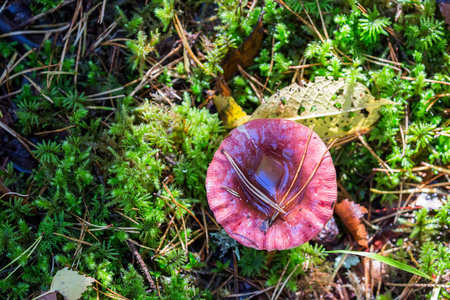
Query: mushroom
x=272, y=184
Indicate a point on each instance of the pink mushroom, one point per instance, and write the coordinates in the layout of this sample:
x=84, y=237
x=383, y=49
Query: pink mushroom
x=272, y=184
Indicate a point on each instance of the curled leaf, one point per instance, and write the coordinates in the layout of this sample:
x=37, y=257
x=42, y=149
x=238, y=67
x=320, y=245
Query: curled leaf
x=246, y=53
x=350, y=214
x=229, y=111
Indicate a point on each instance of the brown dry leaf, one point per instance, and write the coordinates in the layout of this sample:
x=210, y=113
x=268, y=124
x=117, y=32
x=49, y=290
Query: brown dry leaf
x=229, y=111
x=246, y=53
x=70, y=284
x=350, y=214
x=49, y=296
x=335, y=107
x=444, y=7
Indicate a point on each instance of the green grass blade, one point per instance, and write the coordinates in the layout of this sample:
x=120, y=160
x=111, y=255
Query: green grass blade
x=385, y=260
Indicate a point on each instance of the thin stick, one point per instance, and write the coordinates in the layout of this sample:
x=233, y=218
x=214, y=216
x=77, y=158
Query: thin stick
x=8, y=68
x=106, y=92
x=247, y=76
x=271, y=63
x=38, y=88
x=149, y=72
x=250, y=294
x=426, y=80
x=183, y=207
x=253, y=78
x=21, y=139
x=232, y=192
x=180, y=32
x=11, y=94
x=299, y=165
x=312, y=23
x=56, y=130
x=50, y=11
x=418, y=285
x=26, y=71
x=281, y=277
x=383, y=64
x=102, y=36
x=305, y=66
x=409, y=191
x=298, y=16
x=142, y=264
x=164, y=235
x=399, y=202
x=321, y=19
x=284, y=283
x=181, y=216
x=440, y=169
x=383, y=60
x=402, y=170
x=173, y=246
x=206, y=231
x=24, y=32
x=363, y=141
x=102, y=13
x=313, y=173
x=403, y=140
x=72, y=239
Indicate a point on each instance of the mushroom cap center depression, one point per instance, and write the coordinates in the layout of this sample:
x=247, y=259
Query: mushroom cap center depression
x=269, y=171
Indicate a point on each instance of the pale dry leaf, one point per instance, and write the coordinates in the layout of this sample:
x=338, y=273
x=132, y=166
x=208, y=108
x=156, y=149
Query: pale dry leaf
x=335, y=107
x=70, y=284
x=351, y=214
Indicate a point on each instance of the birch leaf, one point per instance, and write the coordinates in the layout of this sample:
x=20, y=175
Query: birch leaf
x=70, y=284
x=335, y=107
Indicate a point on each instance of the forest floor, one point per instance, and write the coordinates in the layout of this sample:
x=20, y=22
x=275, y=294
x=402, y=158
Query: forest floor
x=111, y=112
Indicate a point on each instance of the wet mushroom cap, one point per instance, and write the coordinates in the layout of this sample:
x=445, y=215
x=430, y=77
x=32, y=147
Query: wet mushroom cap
x=262, y=158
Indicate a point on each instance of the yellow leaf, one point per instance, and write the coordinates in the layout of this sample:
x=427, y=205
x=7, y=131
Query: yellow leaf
x=229, y=111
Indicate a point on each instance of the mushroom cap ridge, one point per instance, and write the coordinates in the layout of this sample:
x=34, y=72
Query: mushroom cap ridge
x=277, y=144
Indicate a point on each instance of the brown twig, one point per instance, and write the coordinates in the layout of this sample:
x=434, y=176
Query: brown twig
x=313, y=28
x=440, y=169
x=43, y=14
x=366, y=145
x=182, y=35
x=426, y=80
x=21, y=139
x=142, y=264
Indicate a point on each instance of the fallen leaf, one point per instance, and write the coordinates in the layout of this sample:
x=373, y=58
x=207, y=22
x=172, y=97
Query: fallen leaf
x=350, y=214
x=246, y=53
x=229, y=111
x=444, y=7
x=335, y=107
x=70, y=284
x=48, y=296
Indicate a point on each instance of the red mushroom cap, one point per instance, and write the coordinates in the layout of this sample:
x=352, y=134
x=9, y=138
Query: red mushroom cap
x=262, y=157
